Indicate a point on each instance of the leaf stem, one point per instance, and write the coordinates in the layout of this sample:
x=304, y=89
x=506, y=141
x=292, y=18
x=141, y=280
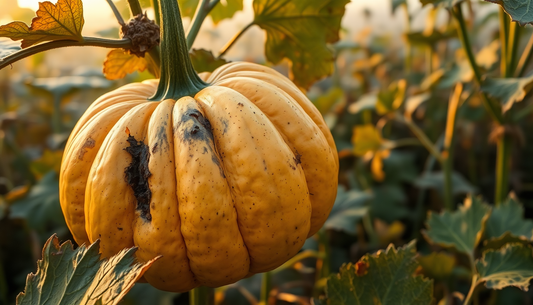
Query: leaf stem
x=471, y=291
x=504, y=35
x=233, y=40
x=135, y=7
x=493, y=110
x=422, y=137
x=202, y=296
x=512, y=48
x=525, y=59
x=87, y=41
x=201, y=12
x=116, y=12
x=503, y=164
x=266, y=286
x=449, y=140
x=155, y=5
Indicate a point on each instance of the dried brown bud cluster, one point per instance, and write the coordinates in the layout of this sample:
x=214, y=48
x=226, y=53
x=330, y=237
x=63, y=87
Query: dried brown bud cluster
x=143, y=32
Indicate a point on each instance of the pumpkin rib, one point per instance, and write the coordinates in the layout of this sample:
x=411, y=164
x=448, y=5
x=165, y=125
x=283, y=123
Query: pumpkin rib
x=76, y=164
x=288, y=87
x=162, y=234
x=302, y=135
x=107, y=217
x=207, y=212
x=259, y=168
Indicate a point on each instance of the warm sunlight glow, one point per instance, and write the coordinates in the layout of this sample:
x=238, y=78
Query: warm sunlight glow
x=31, y=4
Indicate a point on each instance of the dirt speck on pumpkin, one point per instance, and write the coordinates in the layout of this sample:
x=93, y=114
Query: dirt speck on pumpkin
x=137, y=174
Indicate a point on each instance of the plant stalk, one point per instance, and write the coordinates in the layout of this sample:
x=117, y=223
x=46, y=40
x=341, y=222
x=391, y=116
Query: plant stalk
x=494, y=110
x=230, y=43
x=323, y=266
x=266, y=286
x=503, y=165
x=471, y=291
x=87, y=41
x=155, y=5
x=504, y=36
x=449, y=141
x=135, y=7
x=422, y=137
x=202, y=296
x=525, y=59
x=116, y=12
x=204, y=8
x=512, y=49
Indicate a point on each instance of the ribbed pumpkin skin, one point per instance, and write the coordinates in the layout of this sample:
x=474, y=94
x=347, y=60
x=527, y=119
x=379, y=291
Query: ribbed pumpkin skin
x=241, y=175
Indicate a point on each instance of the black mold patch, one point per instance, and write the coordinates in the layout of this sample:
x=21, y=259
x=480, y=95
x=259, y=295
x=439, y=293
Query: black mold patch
x=162, y=140
x=298, y=158
x=137, y=174
x=200, y=130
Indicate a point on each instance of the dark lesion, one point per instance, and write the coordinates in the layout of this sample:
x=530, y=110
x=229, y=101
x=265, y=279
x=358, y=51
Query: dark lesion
x=137, y=174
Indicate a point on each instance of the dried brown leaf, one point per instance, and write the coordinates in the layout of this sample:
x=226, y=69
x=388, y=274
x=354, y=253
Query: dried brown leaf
x=119, y=63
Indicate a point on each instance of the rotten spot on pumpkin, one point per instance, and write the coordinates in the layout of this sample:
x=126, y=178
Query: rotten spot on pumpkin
x=298, y=158
x=137, y=174
x=89, y=143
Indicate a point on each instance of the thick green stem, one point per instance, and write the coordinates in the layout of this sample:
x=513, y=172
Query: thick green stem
x=449, y=139
x=202, y=296
x=87, y=41
x=494, y=110
x=266, y=286
x=503, y=165
x=504, y=35
x=135, y=7
x=512, y=49
x=178, y=78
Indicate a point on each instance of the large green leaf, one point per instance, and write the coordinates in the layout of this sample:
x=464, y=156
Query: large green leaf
x=520, y=11
x=348, y=209
x=67, y=276
x=300, y=30
x=384, y=278
x=509, y=266
x=223, y=9
x=507, y=224
x=508, y=90
x=461, y=229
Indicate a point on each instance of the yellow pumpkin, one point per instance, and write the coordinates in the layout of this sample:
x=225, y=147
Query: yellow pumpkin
x=223, y=184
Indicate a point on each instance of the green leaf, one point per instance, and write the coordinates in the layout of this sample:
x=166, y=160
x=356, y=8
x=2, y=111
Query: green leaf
x=461, y=229
x=299, y=30
x=437, y=265
x=67, y=276
x=520, y=11
x=348, y=209
x=333, y=96
x=383, y=278
x=389, y=100
x=509, y=266
x=60, y=21
x=223, y=9
x=507, y=223
x=389, y=203
x=422, y=39
x=435, y=180
x=507, y=90
x=205, y=61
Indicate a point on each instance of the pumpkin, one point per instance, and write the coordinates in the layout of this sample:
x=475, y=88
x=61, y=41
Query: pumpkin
x=224, y=176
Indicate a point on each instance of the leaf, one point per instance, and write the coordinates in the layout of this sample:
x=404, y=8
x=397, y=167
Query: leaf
x=520, y=11
x=300, y=30
x=50, y=160
x=60, y=21
x=437, y=265
x=68, y=276
x=205, y=61
x=507, y=223
x=366, y=138
x=119, y=63
x=383, y=278
x=348, y=209
x=423, y=39
x=509, y=266
x=389, y=100
x=412, y=103
x=507, y=90
x=389, y=203
x=435, y=180
x=461, y=229
x=324, y=103
x=223, y=10
x=365, y=102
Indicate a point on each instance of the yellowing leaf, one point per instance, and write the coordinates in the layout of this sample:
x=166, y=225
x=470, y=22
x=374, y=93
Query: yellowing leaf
x=119, y=63
x=437, y=265
x=61, y=21
x=366, y=138
x=300, y=30
x=205, y=61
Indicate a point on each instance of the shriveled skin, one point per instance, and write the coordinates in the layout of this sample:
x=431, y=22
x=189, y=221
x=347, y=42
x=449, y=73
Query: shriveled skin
x=308, y=143
x=209, y=219
x=161, y=235
x=269, y=187
x=236, y=178
x=109, y=201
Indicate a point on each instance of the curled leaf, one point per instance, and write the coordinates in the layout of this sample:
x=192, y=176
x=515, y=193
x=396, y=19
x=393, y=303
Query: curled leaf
x=60, y=21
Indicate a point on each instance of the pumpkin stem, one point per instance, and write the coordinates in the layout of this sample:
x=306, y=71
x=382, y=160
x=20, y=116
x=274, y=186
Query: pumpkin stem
x=178, y=78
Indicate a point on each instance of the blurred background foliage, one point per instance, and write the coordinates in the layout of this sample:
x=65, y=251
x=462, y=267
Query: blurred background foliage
x=395, y=60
